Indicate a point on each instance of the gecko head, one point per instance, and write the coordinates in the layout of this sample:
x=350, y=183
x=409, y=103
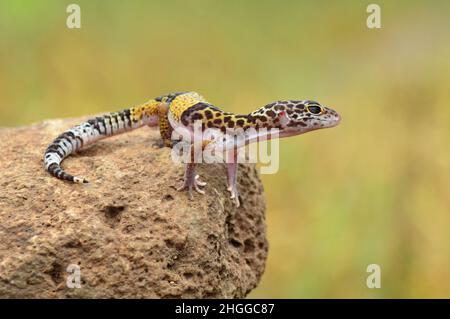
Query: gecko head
x=298, y=117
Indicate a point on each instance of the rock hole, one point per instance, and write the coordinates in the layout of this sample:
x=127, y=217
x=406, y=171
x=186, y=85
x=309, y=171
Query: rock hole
x=190, y=290
x=175, y=243
x=188, y=275
x=73, y=244
x=168, y=197
x=235, y=243
x=113, y=211
x=55, y=272
x=249, y=246
x=159, y=220
x=169, y=243
x=211, y=238
x=113, y=214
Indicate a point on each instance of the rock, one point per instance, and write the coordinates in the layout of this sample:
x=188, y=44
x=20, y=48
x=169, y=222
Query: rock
x=129, y=231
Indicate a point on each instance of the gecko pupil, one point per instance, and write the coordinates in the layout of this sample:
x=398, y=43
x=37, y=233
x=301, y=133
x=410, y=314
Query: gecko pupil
x=314, y=109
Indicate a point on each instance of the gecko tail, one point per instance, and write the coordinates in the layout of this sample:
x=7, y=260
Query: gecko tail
x=56, y=170
x=65, y=144
x=92, y=131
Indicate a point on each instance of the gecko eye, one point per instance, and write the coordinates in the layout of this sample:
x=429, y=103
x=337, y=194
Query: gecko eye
x=314, y=109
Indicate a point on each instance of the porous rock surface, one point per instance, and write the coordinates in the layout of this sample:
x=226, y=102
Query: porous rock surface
x=129, y=231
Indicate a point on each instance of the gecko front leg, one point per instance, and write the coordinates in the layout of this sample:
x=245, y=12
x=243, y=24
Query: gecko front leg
x=191, y=179
x=232, y=168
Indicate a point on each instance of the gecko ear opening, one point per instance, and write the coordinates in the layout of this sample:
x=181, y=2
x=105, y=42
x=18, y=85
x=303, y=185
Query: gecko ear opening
x=284, y=118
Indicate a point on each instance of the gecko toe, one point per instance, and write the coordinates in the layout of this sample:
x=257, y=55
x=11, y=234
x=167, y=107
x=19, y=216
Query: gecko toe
x=195, y=185
x=234, y=196
x=198, y=190
x=235, y=199
x=198, y=182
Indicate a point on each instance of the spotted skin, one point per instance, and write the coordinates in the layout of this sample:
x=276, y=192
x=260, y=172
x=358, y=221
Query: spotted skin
x=183, y=109
x=269, y=116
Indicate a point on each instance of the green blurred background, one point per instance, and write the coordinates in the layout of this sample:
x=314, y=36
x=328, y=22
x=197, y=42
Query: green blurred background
x=376, y=189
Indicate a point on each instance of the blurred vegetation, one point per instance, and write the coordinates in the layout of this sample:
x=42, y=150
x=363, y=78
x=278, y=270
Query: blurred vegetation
x=376, y=189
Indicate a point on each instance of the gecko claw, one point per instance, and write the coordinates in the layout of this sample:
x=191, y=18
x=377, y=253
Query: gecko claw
x=199, y=182
x=236, y=200
x=190, y=188
x=192, y=184
x=234, y=195
x=198, y=190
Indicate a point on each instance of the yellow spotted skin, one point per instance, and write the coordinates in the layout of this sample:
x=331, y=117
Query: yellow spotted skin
x=183, y=102
x=175, y=103
x=165, y=130
x=179, y=102
x=146, y=109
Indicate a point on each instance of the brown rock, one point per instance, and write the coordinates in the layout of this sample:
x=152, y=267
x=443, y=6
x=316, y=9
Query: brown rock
x=130, y=232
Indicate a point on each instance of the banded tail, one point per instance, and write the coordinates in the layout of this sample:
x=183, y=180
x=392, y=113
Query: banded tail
x=94, y=130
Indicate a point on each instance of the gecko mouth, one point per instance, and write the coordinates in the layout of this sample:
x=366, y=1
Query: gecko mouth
x=335, y=120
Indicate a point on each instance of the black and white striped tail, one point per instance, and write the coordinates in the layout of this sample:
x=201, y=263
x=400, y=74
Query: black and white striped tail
x=87, y=133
